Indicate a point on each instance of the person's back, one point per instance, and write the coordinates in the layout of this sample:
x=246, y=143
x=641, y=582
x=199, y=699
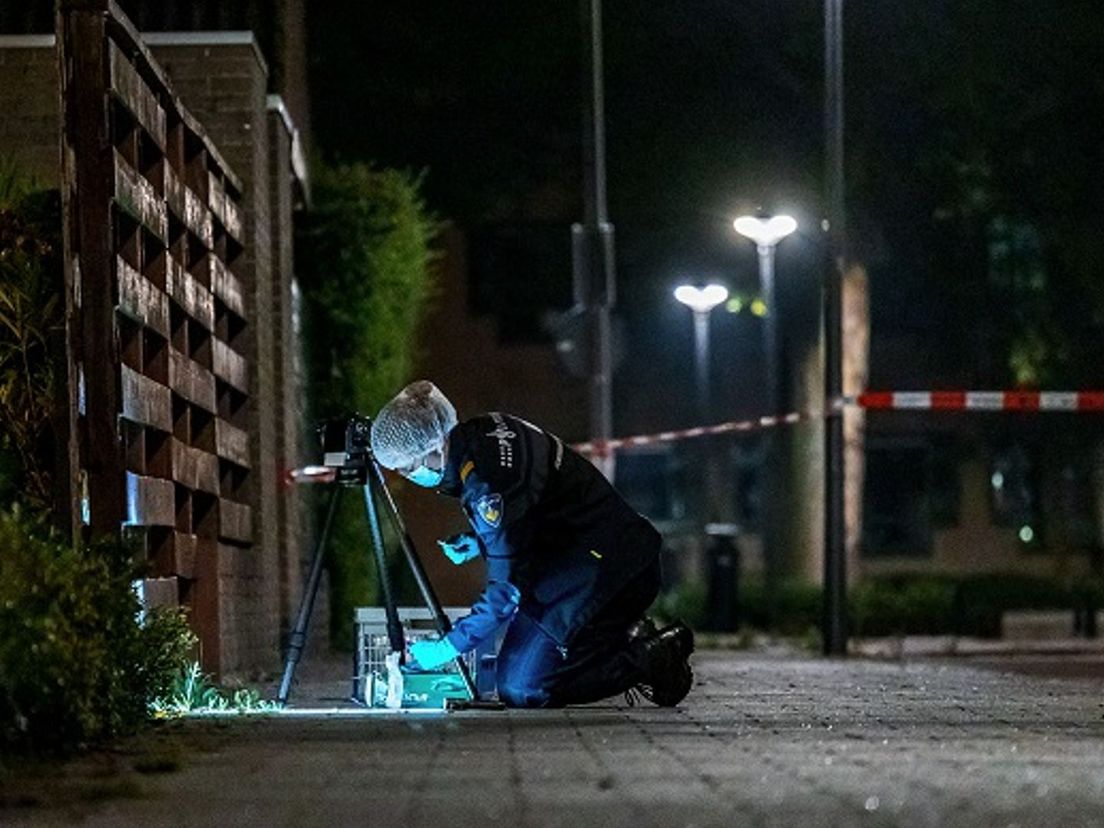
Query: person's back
x=574, y=539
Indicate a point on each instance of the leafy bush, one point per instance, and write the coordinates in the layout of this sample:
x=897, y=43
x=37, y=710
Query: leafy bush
x=686, y=602
x=76, y=664
x=363, y=258
x=193, y=692
x=958, y=605
x=918, y=606
x=897, y=605
x=797, y=606
x=32, y=327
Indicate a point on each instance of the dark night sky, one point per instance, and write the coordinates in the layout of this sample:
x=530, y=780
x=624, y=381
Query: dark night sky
x=715, y=107
x=706, y=113
x=959, y=112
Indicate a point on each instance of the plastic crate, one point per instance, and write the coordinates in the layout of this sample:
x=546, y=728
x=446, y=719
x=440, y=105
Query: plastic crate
x=428, y=689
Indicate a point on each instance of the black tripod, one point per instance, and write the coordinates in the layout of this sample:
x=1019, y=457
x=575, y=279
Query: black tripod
x=365, y=473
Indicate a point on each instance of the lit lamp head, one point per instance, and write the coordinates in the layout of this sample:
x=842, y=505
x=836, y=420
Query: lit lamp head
x=701, y=299
x=765, y=232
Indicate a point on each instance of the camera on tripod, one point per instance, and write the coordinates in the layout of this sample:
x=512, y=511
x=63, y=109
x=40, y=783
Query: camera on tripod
x=347, y=461
x=346, y=447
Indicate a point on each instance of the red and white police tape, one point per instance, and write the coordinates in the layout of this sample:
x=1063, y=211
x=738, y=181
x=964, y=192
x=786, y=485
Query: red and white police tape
x=1022, y=401
x=981, y=400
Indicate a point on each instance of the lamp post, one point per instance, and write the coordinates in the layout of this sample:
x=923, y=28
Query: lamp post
x=767, y=233
x=714, y=488
x=702, y=300
x=592, y=242
x=834, y=626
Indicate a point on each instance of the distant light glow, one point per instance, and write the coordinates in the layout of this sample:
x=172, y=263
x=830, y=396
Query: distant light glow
x=133, y=500
x=734, y=305
x=1027, y=534
x=759, y=307
x=701, y=300
x=85, y=503
x=997, y=480
x=765, y=232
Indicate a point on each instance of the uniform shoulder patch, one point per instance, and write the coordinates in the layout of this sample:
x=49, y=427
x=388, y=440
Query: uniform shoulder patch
x=489, y=509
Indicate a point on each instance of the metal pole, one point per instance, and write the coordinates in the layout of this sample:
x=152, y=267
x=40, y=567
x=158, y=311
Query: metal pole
x=441, y=621
x=395, y=635
x=835, y=550
x=769, y=478
x=770, y=325
x=298, y=638
x=594, y=276
x=701, y=363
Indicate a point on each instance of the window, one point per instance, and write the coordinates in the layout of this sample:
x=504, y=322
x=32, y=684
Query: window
x=650, y=481
x=1014, y=492
x=897, y=507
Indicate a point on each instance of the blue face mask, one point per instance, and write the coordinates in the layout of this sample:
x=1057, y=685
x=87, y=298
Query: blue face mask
x=427, y=477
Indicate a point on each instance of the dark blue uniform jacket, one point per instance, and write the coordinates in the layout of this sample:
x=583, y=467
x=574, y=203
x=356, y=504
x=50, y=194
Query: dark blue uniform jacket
x=559, y=542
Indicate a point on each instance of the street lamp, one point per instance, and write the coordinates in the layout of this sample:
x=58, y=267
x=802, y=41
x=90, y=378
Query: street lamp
x=767, y=233
x=714, y=487
x=702, y=300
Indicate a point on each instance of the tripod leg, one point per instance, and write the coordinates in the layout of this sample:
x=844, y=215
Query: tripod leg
x=424, y=586
x=394, y=626
x=306, y=605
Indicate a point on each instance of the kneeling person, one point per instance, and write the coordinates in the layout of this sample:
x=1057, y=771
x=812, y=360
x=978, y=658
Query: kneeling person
x=570, y=565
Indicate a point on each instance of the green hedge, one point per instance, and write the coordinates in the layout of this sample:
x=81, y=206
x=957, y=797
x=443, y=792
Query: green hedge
x=899, y=605
x=76, y=663
x=363, y=256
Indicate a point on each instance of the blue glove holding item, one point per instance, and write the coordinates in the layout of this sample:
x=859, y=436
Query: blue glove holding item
x=429, y=655
x=460, y=548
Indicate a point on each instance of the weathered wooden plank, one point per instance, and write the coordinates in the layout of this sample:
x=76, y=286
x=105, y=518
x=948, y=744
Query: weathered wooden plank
x=150, y=501
x=232, y=220
x=232, y=443
x=183, y=464
x=226, y=286
x=136, y=196
x=196, y=300
x=216, y=195
x=174, y=192
x=160, y=593
x=145, y=401
x=141, y=299
x=132, y=91
x=235, y=522
x=224, y=207
x=88, y=185
x=197, y=217
x=230, y=366
x=184, y=548
x=194, y=468
x=192, y=381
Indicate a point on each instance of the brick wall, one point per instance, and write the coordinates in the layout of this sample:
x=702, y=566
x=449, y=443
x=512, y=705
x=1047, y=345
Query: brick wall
x=30, y=125
x=222, y=78
x=244, y=596
x=285, y=191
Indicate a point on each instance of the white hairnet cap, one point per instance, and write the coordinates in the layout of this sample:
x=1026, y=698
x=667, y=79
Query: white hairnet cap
x=416, y=422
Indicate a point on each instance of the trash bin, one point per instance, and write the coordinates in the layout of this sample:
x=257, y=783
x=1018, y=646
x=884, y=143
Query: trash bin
x=722, y=613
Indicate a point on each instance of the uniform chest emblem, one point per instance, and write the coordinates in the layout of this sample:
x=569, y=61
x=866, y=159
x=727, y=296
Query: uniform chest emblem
x=489, y=509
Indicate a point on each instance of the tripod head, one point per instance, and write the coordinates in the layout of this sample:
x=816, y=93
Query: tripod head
x=346, y=452
x=347, y=448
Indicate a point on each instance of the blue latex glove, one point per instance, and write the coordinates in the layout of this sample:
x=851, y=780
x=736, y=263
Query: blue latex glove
x=429, y=655
x=460, y=548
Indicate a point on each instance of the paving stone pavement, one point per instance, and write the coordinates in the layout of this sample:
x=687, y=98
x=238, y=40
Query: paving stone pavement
x=771, y=741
